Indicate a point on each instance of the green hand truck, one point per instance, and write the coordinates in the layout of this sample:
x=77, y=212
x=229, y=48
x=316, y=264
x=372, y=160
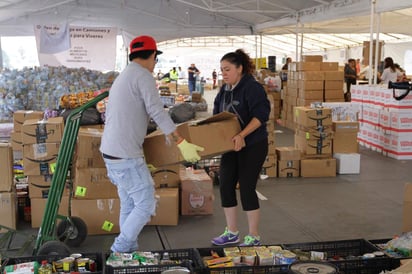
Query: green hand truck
x=71, y=231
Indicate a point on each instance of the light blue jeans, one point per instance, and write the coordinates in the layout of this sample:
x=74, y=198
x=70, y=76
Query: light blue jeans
x=137, y=199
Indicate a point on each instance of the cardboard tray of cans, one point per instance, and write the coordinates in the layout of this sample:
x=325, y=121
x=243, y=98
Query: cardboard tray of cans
x=350, y=256
x=95, y=259
x=251, y=266
x=187, y=258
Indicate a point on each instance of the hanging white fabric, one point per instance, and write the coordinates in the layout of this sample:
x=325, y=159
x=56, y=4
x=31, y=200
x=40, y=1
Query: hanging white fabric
x=55, y=43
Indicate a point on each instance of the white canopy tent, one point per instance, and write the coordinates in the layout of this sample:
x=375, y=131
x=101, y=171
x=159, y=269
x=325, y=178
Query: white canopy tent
x=272, y=27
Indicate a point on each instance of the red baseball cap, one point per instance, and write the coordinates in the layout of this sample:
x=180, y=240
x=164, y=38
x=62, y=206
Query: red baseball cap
x=143, y=42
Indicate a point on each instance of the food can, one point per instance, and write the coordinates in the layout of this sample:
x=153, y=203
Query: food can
x=68, y=264
x=285, y=257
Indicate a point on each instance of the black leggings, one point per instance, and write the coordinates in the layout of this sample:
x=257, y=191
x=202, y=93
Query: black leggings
x=244, y=167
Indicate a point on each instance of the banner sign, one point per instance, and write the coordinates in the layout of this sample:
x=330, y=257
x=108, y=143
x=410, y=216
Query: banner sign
x=89, y=47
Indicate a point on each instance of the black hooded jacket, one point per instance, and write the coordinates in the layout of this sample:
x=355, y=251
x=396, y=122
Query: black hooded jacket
x=247, y=100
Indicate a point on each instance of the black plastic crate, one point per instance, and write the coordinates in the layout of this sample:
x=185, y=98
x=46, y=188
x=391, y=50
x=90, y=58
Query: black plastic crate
x=381, y=244
x=190, y=259
x=241, y=269
x=347, y=255
x=97, y=257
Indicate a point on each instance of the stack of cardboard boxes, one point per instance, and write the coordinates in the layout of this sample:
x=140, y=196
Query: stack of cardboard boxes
x=311, y=80
x=8, y=201
x=270, y=165
x=313, y=137
x=41, y=142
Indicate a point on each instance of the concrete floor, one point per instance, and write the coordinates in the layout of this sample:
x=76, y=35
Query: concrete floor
x=367, y=205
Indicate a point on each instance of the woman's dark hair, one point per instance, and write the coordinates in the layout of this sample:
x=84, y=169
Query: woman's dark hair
x=143, y=54
x=389, y=63
x=239, y=57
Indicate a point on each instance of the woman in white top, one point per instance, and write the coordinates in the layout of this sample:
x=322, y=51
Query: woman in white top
x=390, y=73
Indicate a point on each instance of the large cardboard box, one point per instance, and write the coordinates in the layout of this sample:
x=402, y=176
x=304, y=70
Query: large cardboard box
x=8, y=209
x=347, y=163
x=19, y=116
x=314, y=146
x=6, y=167
x=197, y=192
x=43, y=131
x=310, y=117
x=87, y=153
x=39, y=186
x=345, y=126
x=16, y=140
x=38, y=205
x=318, y=167
x=167, y=176
x=38, y=159
x=167, y=210
x=100, y=215
x=407, y=208
x=93, y=183
x=288, y=168
x=214, y=134
x=345, y=142
x=287, y=153
x=269, y=167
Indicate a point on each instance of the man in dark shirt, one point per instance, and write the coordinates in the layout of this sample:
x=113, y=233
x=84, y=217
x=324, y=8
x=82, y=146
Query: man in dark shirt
x=192, y=73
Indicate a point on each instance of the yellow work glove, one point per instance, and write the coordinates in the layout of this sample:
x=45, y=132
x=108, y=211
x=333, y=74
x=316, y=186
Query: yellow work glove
x=189, y=151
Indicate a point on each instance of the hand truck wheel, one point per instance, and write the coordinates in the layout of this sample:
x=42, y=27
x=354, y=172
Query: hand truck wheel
x=54, y=248
x=72, y=231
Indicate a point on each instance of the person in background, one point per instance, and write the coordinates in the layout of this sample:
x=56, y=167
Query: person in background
x=286, y=65
x=181, y=73
x=246, y=98
x=214, y=77
x=133, y=100
x=390, y=72
x=350, y=77
x=192, y=73
x=403, y=78
x=174, y=75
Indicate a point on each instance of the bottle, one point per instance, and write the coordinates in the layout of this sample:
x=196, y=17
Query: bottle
x=45, y=267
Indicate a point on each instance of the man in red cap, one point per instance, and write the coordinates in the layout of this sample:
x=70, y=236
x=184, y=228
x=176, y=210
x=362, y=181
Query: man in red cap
x=133, y=100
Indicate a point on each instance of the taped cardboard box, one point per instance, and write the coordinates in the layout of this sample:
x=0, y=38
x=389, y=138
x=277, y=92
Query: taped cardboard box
x=38, y=159
x=39, y=186
x=197, y=192
x=19, y=116
x=288, y=153
x=310, y=117
x=166, y=177
x=288, y=168
x=6, y=167
x=38, y=206
x=318, y=167
x=43, y=131
x=100, y=215
x=93, y=183
x=407, y=208
x=167, y=210
x=8, y=210
x=87, y=153
x=214, y=134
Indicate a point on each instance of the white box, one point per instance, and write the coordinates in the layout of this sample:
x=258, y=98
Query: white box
x=347, y=163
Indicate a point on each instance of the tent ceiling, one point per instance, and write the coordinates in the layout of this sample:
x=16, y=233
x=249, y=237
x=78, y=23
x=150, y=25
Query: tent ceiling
x=178, y=19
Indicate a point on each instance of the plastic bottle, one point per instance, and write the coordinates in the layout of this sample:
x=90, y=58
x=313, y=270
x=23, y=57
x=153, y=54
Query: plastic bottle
x=45, y=268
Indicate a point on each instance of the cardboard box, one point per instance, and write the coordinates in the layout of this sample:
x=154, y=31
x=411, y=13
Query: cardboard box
x=334, y=84
x=6, y=167
x=38, y=205
x=288, y=168
x=287, y=153
x=214, y=134
x=308, y=66
x=310, y=117
x=39, y=158
x=314, y=146
x=100, y=215
x=347, y=163
x=407, y=208
x=16, y=140
x=43, y=131
x=87, y=153
x=312, y=58
x=93, y=183
x=39, y=186
x=333, y=94
x=8, y=210
x=167, y=176
x=326, y=66
x=310, y=75
x=345, y=142
x=345, y=126
x=318, y=167
x=316, y=95
x=167, y=210
x=197, y=192
x=333, y=75
x=310, y=85
x=19, y=116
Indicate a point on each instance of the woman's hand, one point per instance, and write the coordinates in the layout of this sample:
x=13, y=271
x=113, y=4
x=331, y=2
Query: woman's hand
x=239, y=142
